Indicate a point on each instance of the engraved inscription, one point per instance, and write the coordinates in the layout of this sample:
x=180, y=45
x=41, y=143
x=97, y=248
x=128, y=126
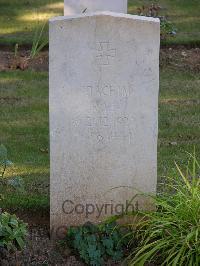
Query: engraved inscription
x=103, y=129
x=107, y=118
x=108, y=90
x=105, y=53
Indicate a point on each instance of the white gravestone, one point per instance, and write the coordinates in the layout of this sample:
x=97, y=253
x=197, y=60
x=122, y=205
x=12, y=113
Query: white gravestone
x=79, y=6
x=104, y=83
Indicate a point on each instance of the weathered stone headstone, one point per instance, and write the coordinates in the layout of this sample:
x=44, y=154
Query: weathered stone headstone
x=72, y=7
x=104, y=83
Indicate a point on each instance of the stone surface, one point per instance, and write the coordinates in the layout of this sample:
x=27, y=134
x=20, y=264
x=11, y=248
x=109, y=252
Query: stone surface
x=104, y=83
x=72, y=7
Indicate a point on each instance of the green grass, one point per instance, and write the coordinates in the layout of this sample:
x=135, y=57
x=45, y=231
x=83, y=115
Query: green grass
x=24, y=128
x=24, y=131
x=179, y=113
x=19, y=18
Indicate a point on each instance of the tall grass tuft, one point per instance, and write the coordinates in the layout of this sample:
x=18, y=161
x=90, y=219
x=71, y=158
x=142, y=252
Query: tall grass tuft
x=40, y=40
x=171, y=234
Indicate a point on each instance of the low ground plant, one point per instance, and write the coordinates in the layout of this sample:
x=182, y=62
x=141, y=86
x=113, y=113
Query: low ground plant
x=171, y=234
x=40, y=40
x=95, y=244
x=12, y=232
x=166, y=27
x=16, y=182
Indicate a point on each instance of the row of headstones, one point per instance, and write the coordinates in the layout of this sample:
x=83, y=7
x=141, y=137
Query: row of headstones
x=104, y=83
x=72, y=7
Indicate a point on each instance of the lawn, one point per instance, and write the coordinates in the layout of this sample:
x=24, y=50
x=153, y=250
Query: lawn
x=19, y=18
x=24, y=129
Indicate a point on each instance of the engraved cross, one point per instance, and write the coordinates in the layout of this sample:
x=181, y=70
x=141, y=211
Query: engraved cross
x=105, y=53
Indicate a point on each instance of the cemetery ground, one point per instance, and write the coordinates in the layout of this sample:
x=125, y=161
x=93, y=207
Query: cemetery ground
x=25, y=132
x=25, y=128
x=18, y=19
x=24, y=114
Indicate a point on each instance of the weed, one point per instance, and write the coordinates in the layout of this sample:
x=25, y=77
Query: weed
x=171, y=235
x=39, y=41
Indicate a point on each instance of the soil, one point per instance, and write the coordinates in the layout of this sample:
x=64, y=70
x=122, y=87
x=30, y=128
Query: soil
x=23, y=61
x=39, y=249
x=179, y=57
